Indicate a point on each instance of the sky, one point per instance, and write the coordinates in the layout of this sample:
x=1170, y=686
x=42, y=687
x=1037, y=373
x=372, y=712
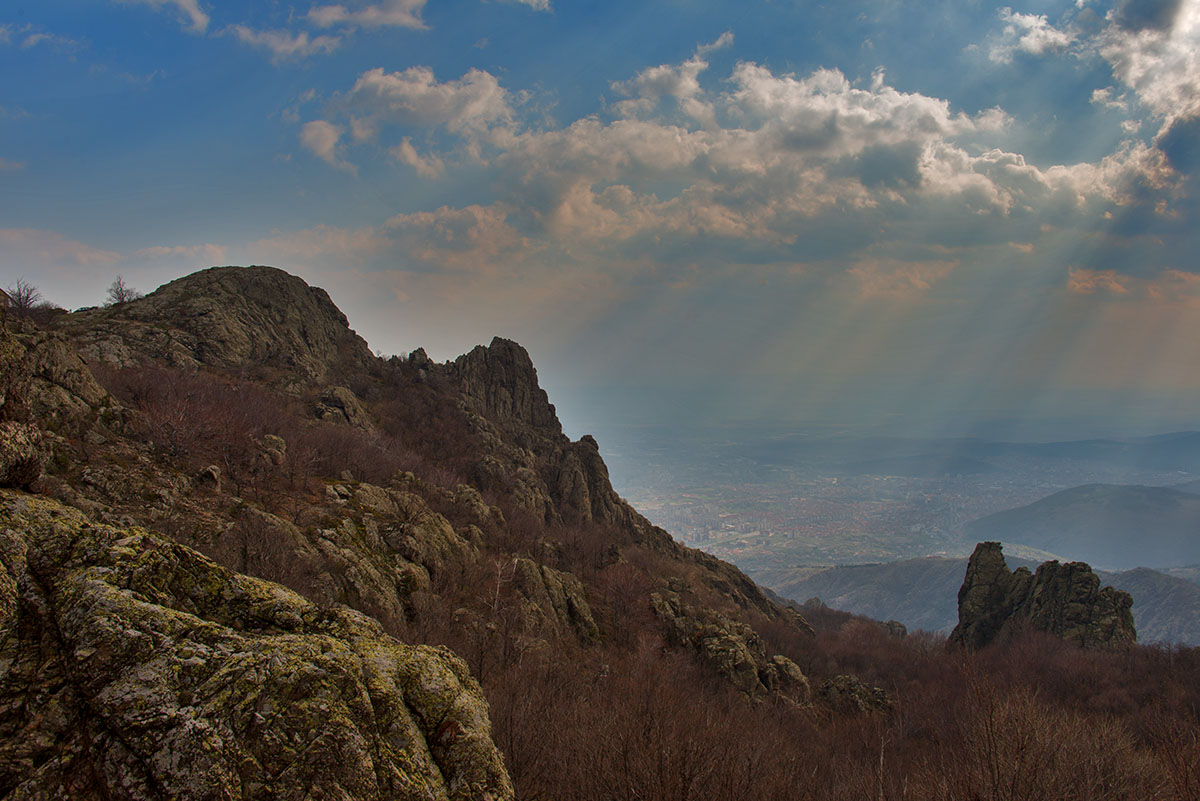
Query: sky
x=916, y=216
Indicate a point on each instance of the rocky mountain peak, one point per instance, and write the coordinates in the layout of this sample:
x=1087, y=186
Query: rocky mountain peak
x=1065, y=600
x=228, y=317
x=501, y=381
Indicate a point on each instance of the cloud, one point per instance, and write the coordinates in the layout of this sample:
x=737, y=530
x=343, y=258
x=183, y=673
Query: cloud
x=1028, y=33
x=29, y=36
x=391, y=13
x=195, y=17
x=205, y=255
x=536, y=5
x=323, y=139
x=8, y=165
x=899, y=280
x=798, y=169
x=414, y=97
x=1082, y=281
x=426, y=166
x=283, y=45
x=37, y=249
x=1154, y=48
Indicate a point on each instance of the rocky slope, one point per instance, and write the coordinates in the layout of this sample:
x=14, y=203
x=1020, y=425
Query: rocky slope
x=242, y=437
x=137, y=668
x=1065, y=600
x=226, y=317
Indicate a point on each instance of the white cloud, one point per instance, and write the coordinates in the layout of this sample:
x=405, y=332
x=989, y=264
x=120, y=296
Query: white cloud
x=426, y=166
x=196, y=18
x=1028, y=33
x=779, y=161
x=282, y=44
x=391, y=13
x=1160, y=64
x=536, y=5
x=323, y=140
x=414, y=97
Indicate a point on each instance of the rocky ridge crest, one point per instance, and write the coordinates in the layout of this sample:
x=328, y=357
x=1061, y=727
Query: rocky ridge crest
x=234, y=318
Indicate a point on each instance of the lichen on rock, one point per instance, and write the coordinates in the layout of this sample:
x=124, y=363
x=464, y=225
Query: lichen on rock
x=156, y=673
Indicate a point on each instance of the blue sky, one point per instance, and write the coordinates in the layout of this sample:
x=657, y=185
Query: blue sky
x=917, y=213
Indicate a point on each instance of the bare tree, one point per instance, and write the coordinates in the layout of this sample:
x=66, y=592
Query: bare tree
x=120, y=292
x=23, y=297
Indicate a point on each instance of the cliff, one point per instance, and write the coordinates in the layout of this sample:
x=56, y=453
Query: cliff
x=1065, y=600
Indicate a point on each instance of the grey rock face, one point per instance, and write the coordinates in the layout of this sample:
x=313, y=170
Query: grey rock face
x=132, y=667
x=500, y=380
x=1062, y=599
x=230, y=317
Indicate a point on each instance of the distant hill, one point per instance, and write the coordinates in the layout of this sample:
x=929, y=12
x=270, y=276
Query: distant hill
x=923, y=594
x=1114, y=527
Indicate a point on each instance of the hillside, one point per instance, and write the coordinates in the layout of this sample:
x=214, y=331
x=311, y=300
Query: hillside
x=1114, y=527
x=242, y=557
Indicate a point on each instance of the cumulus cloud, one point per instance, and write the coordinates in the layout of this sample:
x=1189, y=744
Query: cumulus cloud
x=780, y=168
x=283, y=45
x=1154, y=48
x=323, y=140
x=415, y=97
x=189, y=10
x=1027, y=33
x=391, y=13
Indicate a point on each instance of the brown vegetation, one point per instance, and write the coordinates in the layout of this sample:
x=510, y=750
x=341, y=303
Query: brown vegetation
x=626, y=714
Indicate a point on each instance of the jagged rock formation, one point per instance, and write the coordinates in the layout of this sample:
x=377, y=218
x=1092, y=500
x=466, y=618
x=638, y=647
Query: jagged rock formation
x=136, y=668
x=1065, y=600
x=226, y=317
x=733, y=648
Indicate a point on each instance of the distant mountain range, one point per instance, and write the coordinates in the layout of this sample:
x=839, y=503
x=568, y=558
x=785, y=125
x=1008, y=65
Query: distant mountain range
x=923, y=594
x=1113, y=527
x=1174, y=452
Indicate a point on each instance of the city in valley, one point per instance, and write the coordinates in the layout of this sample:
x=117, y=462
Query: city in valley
x=768, y=499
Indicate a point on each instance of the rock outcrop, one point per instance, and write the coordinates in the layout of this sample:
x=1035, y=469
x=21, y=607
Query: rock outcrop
x=242, y=318
x=133, y=667
x=850, y=695
x=1065, y=600
x=501, y=383
x=734, y=649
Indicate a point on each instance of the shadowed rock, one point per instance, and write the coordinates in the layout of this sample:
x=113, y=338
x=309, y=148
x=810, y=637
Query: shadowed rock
x=1065, y=600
